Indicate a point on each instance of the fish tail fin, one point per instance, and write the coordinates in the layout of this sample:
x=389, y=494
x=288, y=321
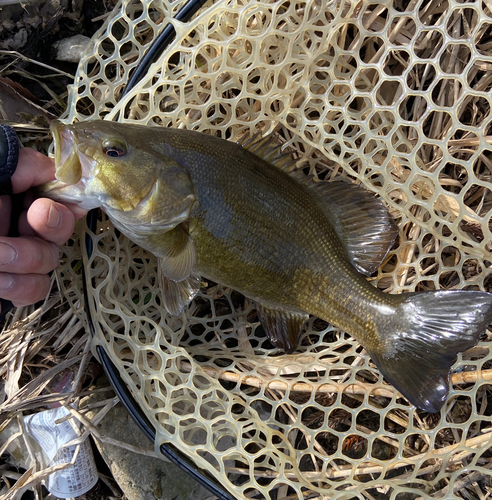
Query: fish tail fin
x=423, y=338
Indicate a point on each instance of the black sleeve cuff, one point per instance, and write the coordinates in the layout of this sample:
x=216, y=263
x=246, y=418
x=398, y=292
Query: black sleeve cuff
x=9, y=157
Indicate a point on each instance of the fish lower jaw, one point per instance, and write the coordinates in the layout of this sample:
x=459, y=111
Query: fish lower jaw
x=66, y=193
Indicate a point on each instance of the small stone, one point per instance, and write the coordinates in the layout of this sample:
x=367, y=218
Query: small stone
x=71, y=49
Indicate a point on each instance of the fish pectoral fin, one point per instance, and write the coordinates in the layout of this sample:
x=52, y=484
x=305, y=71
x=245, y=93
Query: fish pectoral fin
x=362, y=222
x=176, y=295
x=177, y=254
x=423, y=338
x=281, y=326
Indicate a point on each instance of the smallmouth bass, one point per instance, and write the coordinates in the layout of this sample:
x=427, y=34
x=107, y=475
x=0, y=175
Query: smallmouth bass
x=233, y=214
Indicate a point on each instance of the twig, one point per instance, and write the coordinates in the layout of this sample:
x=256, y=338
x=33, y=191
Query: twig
x=323, y=386
x=462, y=483
x=32, y=61
x=347, y=470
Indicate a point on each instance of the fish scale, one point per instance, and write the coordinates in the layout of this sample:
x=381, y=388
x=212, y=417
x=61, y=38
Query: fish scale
x=206, y=206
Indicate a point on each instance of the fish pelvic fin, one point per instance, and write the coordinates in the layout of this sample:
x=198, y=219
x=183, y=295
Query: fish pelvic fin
x=281, y=326
x=176, y=295
x=423, y=338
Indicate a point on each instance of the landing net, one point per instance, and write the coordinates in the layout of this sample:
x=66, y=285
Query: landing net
x=395, y=95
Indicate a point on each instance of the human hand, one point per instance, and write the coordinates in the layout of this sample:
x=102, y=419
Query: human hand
x=25, y=261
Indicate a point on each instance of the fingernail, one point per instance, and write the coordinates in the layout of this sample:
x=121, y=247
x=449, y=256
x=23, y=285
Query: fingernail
x=6, y=281
x=7, y=253
x=54, y=217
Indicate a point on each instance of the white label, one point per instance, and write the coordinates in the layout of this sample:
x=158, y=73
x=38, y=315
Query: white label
x=82, y=475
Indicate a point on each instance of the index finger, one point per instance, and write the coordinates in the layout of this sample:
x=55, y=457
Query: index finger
x=33, y=169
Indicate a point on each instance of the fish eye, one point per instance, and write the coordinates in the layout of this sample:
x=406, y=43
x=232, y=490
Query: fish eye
x=114, y=148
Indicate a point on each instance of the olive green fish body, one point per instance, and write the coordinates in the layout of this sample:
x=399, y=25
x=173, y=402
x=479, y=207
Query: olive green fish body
x=245, y=209
x=209, y=207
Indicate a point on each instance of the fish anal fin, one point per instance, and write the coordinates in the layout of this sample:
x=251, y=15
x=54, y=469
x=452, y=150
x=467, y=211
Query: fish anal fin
x=282, y=327
x=176, y=295
x=177, y=253
x=362, y=222
x=423, y=338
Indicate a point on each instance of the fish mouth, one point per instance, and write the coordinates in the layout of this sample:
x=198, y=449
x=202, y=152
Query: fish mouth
x=70, y=185
x=67, y=161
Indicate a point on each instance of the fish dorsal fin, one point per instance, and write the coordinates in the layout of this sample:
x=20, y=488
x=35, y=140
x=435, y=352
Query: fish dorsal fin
x=281, y=326
x=176, y=295
x=177, y=254
x=267, y=148
x=362, y=222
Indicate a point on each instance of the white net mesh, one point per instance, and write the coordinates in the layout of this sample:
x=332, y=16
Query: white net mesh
x=395, y=94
